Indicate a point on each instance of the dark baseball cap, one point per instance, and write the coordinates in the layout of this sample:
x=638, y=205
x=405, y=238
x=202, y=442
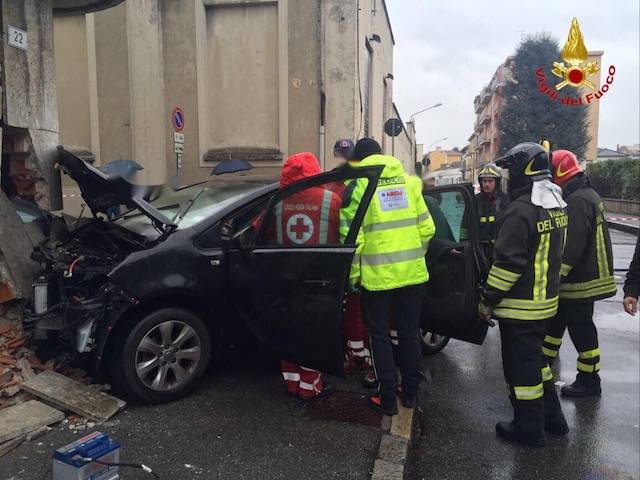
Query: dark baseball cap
x=343, y=148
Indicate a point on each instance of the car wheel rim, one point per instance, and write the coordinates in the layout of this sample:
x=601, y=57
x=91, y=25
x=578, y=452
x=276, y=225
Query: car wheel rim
x=431, y=339
x=168, y=355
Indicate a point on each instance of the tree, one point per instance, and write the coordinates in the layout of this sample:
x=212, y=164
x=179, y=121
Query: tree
x=530, y=115
x=616, y=178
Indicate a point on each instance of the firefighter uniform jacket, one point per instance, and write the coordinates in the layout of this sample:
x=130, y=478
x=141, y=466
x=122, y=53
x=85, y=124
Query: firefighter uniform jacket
x=587, y=264
x=490, y=209
x=524, y=279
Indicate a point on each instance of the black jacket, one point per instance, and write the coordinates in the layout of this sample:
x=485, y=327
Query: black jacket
x=587, y=263
x=632, y=283
x=490, y=210
x=524, y=279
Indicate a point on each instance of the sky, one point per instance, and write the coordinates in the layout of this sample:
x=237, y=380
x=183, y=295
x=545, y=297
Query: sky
x=448, y=51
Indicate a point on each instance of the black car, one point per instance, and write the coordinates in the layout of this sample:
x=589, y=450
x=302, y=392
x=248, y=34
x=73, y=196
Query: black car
x=156, y=283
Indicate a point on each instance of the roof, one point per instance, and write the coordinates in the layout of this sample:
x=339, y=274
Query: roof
x=607, y=152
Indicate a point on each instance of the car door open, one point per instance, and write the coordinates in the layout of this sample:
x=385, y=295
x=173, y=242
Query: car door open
x=288, y=290
x=455, y=266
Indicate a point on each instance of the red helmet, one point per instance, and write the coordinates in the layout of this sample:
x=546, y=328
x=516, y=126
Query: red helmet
x=565, y=166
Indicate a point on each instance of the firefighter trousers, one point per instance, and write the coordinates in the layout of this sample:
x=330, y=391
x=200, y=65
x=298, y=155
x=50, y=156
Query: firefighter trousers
x=578, y=319
x=529, y=378
x=405, y=303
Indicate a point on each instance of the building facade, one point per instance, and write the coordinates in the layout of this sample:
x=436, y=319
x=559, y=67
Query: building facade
x=250, y=79
x=440, y=158
x=484, y=142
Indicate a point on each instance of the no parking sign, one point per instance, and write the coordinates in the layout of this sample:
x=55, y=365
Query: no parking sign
x=177, y=118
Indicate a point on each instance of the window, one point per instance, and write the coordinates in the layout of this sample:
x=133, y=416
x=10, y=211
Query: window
x=450, y=215
x=317, y=215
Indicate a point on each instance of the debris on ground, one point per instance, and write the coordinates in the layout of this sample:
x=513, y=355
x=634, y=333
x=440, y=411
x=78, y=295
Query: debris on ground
x=23, y=376
x=25, y=421
x=68, y=394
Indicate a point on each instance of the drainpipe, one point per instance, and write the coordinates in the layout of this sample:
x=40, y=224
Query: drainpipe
x=323, y=98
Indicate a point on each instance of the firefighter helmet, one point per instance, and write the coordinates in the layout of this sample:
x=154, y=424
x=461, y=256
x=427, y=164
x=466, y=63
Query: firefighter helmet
x=565, y=166
x=527, y=162
x=490, y=170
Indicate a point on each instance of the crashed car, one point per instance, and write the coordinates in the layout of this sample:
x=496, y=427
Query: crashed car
x=154, y=284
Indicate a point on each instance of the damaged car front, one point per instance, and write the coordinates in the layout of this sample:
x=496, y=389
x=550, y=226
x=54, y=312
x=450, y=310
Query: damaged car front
x=73, y=290
x=140, y=291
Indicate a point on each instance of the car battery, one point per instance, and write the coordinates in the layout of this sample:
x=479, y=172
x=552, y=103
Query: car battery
x=68, y=463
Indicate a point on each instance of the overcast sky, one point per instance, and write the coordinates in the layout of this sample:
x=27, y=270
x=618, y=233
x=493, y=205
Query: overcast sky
x=447, y=51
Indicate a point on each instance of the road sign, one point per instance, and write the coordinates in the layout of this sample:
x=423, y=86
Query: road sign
x=393, y=127
x=177, y=118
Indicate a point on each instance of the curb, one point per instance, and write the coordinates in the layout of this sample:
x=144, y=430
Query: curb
x=623, y=227
x=394, y=445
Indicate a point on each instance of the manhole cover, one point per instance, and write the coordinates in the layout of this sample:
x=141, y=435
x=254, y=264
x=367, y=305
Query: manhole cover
x=344, y=407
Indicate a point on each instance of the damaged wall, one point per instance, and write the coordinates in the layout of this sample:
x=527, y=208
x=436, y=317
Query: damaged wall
x=29, y=135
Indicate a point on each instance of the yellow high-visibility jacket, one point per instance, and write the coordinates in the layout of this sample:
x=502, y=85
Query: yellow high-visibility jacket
x=393, y=238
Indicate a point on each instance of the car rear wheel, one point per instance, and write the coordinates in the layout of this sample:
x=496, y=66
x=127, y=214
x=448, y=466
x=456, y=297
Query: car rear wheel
x=432, y=342
x=164, y=356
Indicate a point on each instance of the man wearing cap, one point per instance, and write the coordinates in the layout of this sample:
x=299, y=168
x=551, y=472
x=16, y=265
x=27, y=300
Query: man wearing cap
x=389, y=268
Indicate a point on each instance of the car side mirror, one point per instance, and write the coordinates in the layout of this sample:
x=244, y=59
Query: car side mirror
x=244, y=239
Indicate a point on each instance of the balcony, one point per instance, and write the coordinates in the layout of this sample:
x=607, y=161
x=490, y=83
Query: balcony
x=483, y=139
x=485, y=95
x=484, y=119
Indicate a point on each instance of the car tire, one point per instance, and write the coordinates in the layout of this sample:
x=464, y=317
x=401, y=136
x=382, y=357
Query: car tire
x=163, y=356
x=432, y=343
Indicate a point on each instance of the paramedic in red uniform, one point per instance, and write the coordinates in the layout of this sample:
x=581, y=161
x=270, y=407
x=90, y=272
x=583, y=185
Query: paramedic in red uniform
x=309, y=217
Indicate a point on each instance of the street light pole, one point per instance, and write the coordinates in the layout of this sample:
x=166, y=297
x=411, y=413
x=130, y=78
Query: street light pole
x=413, y=120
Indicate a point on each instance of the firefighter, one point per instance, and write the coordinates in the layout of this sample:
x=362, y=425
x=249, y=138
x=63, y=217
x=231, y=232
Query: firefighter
x=389, y=268
x=522, y=292
x=491, y=203
x=319, y=209
x=587, y=274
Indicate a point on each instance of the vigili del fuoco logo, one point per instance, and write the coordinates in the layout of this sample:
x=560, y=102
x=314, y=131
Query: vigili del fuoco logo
x=574, y=70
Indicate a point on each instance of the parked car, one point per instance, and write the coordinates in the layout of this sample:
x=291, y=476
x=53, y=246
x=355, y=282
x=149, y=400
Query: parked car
x=151, y=294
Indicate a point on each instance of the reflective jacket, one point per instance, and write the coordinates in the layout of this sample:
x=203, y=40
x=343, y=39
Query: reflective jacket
x=587, y=263
x=393, y=239
x=524, y=280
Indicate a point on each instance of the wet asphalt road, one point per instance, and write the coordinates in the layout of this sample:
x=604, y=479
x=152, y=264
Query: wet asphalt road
x=241, y=425
x=465, y=396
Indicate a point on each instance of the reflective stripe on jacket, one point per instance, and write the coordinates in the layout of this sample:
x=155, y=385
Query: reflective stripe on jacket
x=393, y=239
x=587, y=264
x=524, y=279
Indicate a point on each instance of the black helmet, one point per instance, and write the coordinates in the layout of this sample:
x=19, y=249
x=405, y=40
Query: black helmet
x=527, y=162
x=343, y=148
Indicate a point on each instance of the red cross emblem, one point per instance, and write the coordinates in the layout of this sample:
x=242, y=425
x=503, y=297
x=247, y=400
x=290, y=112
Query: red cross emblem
x=299, y=228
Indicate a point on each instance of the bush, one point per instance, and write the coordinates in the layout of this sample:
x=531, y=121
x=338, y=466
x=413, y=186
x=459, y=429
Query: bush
x=616, y=178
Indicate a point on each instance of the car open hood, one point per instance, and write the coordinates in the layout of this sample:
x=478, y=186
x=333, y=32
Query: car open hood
x=103, y=191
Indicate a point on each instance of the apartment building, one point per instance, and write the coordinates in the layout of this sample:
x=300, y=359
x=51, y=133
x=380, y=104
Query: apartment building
x=484, y=142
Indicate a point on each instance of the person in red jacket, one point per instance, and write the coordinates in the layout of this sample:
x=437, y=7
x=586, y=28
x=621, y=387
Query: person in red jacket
x=309, y=217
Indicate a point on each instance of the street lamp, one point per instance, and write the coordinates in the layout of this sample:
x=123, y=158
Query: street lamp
x=424, y=110
x=436, y=142
x=413, y=120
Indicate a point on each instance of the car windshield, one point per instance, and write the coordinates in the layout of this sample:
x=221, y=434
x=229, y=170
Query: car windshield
x=191, y=205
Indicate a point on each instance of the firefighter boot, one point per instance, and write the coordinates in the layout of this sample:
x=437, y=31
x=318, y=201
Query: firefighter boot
x=554, y=421
x=510, y=432
x=586, y=385
x=388, y=406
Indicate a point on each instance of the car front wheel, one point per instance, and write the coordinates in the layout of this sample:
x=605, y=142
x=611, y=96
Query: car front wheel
x=432, y=342
x=164, y=356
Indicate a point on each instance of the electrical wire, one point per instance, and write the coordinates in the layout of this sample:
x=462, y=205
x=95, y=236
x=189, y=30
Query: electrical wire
x=139, y=466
